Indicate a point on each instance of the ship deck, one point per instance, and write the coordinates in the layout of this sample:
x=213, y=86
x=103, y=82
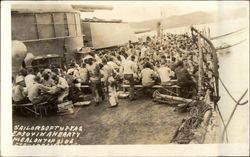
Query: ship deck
x=141, y=121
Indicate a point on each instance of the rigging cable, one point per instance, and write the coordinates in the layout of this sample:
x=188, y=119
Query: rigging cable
x=231, y=94
x=235, y=107
x=215, y=71
x=237, y=103
x=223, y=122
x=220, y=48
x=231, y=33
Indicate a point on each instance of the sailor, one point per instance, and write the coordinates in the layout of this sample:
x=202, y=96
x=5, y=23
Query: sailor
x=110, y=83
x=143, y=50
x=62, y=88
x=83, y=72
x=184, y=80
x=165, y=74
x=29, y=79
x=95, y=79
x=97, y=59
x=19, y=91
x=129, y=69
x=112, y=64
x=47, y=80
x=73, y=70
x=37, y=92
x=23, y=72
x=148, y=79
x=173, y=63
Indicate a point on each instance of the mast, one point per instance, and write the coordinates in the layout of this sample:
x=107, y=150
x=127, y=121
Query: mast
x=200, y=67
x=161, y=26
x=209, y=35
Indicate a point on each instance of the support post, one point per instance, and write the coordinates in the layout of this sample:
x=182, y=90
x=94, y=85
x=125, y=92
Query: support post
x=200, y=67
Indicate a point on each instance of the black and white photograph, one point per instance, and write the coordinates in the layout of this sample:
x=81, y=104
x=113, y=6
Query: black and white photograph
x=127, y=73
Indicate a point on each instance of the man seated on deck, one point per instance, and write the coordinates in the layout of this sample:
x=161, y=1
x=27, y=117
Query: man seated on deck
x=47, y=80
x=148, y=79
x=37, y=92
x=173, y=64
x=185, y=81
x=19, y=91
x=165, y=74
x=62, y=88
x=29, y=78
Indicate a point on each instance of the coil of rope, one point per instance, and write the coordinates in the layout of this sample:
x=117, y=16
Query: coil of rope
x=186, y=131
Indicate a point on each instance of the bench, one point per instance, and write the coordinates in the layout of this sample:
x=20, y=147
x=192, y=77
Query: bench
x=37, y=108
x=155, y=86
x=22, y=105
x=140, y=86
x=176, y=87
x=26, y=106
x=43, y=106
x=166, y=88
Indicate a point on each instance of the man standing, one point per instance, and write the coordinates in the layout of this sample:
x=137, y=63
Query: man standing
x=95, y=79
x=143, y=50
x=83, y=72
x=110, y=83
x=128, y=69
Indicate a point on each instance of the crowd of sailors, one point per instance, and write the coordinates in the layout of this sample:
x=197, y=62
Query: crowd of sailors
x=156, y=60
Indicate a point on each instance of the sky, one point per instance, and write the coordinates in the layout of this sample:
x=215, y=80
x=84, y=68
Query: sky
x=130, y=11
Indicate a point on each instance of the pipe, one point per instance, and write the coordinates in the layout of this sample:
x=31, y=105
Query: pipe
x=158, y=94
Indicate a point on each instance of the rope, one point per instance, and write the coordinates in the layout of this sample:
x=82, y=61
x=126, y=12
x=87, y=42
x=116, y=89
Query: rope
x=221, y=48
x=231, y=94
x=215, y=71
x=185, y=132
x=233, y=112
x=223, y=122
x=239, y=30
x=237, y=102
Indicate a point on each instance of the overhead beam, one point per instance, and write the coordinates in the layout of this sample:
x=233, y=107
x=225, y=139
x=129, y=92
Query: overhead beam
x=91, y=8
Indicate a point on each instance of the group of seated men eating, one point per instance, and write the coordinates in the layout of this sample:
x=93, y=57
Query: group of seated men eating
x=151, y=62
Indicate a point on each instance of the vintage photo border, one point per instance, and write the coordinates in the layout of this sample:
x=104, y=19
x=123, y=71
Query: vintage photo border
x=7, y=149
